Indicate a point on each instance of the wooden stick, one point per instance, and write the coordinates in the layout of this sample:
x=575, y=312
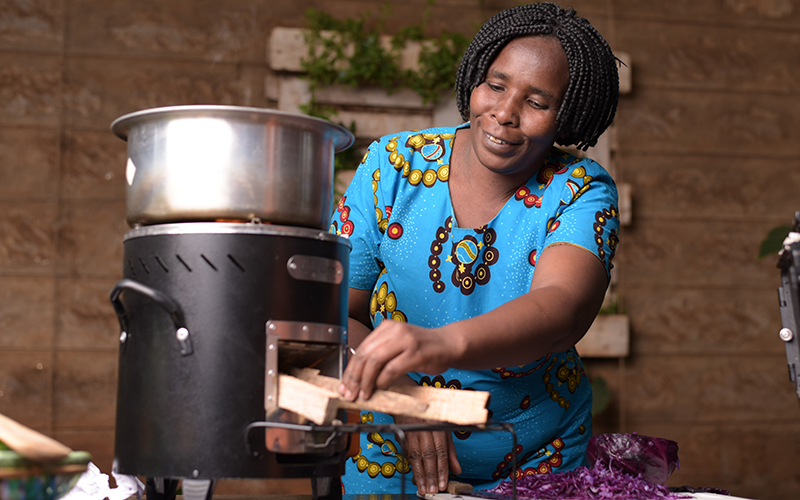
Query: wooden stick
x=384, y=401
x=450, y=405
x=29, y=443
x=321, y=399
x=456, y=488
x=304, y=398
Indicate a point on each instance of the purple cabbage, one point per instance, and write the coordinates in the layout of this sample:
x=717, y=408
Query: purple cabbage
x=583, y=483
x=652, y=458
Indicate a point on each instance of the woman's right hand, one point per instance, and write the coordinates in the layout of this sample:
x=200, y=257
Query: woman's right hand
x=431, y=455
x=393, y=349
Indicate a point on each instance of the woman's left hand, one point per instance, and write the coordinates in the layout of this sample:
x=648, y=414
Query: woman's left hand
x=390, y=351
x=431, y=455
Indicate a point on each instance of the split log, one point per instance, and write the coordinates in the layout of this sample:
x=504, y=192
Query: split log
x=316, y=397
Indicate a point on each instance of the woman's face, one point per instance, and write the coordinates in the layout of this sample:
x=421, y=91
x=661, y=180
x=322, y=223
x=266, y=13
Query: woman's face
x=513, y=111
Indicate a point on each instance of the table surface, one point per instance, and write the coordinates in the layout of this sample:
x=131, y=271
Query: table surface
x=440, y=496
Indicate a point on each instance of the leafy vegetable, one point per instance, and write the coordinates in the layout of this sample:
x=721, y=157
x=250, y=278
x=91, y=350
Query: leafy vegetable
x=652, y=458
x=583, y=483
x=773, y=242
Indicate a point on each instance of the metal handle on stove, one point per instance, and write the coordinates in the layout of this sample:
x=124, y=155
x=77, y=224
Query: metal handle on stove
x=165, y=301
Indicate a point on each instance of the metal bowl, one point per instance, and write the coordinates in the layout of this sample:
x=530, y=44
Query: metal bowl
x=211, y=163
x=21, y=479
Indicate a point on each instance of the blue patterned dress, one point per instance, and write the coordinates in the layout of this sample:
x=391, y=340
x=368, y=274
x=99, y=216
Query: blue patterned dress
x=424, y=269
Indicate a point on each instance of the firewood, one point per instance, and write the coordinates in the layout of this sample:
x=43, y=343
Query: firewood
x=316, y=397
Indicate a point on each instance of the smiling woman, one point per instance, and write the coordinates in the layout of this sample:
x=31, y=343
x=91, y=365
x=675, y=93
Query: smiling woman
x=512, y=124
x=495, y=248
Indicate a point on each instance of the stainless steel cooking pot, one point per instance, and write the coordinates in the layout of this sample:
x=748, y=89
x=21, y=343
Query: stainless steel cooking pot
x=210, y=163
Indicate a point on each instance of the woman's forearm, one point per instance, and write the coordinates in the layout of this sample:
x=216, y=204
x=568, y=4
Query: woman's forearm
x=518, y=332
x=564, y=299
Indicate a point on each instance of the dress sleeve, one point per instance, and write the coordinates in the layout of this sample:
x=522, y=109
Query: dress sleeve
x=357, y=217
x=588, y=213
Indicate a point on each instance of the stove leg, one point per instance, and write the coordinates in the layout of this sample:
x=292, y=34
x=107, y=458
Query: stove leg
x=198, y=489
x=161, y=488
x=326, y=488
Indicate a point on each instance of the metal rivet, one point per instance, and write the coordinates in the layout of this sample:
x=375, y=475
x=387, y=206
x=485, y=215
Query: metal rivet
x=123, y=336
x=272, y=347
x=331, y=331
x=271, y=373
x=182, y=334
x=269, y=398
x=195, y=473
x=292, y=265
x=305, y=328
x=273, y=326
x=786, y=334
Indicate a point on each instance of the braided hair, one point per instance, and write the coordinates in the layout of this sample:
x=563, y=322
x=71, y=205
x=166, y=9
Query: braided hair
x=590, y=102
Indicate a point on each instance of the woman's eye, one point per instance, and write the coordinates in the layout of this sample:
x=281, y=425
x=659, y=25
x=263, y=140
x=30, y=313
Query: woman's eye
x=536, y=104
x=494, y=87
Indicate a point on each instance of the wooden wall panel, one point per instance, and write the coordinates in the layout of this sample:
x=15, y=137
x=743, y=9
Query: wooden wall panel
x=696, y=321
x=708, y=140
x=694, y=122
x=708, y=388
x=668, y=55
x=715, y=187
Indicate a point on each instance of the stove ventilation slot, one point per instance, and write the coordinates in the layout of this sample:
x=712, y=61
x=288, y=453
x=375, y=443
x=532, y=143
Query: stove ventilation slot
x=209, y=262
x=161, y=263
x=236, y=263
x=183, y=262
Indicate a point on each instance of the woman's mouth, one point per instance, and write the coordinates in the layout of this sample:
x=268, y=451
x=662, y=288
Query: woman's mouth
x=496, y=140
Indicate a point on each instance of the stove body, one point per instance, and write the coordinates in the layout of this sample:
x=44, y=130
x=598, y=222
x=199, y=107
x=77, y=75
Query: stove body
x=210, y=313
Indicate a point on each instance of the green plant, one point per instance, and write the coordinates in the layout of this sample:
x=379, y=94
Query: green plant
x=350, y=52
x=347, y=52
x=773, y=242
x=612, y=307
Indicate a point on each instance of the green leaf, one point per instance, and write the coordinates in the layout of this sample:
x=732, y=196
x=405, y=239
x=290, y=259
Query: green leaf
x=773, y=243
x=352, y=55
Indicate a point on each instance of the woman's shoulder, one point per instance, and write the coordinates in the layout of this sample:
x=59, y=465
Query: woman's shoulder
x=414, y=138
x=565, y=162
x=415, y=156
x=564, y=170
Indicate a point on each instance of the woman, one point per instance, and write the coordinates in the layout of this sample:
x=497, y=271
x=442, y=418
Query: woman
x=481, y=255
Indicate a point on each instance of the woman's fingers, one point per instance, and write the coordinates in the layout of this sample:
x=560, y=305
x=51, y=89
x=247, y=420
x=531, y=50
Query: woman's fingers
x=351, y=378
x=428, y=455
x=367, y=368
x=367, y=364
x=415, y=461
x=358, y=375
x=391, y=350
x=442, y=445
x=376, y=354
x=455, y=466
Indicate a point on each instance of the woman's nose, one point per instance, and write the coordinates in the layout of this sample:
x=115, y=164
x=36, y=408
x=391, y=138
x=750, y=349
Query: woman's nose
x=506, y=111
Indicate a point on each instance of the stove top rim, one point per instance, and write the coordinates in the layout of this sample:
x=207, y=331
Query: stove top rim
x=179, y=228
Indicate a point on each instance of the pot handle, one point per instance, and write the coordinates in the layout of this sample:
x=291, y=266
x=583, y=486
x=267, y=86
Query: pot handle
x=160, y=298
